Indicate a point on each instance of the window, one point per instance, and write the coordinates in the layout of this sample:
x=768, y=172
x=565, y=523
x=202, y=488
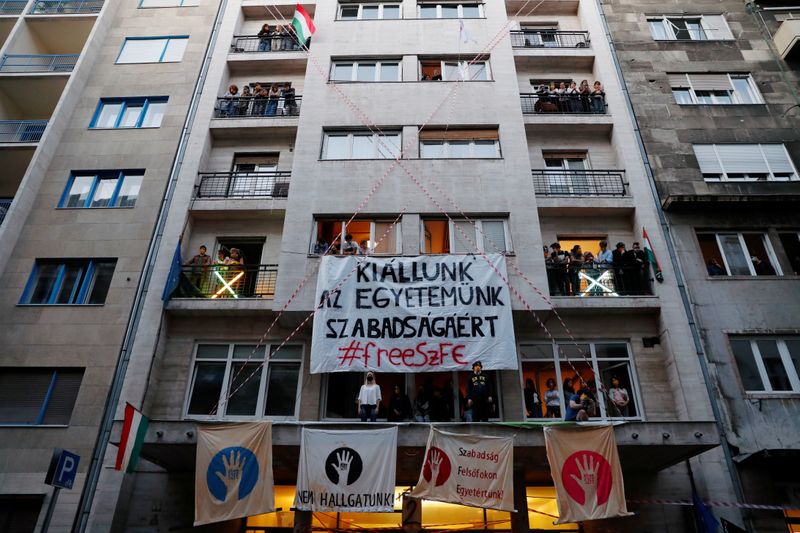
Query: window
x=453, y=70
x=168, y=3
x=153, y=49
x=369, y=11
x=118, y=188
x=459, y=144
x=738, y=254
x=20, y=512
x=361, y=145
x=714, y=89
x=791, y=245
x=119, y=113
x=69, y=282
x=367, y=70
x=744, y=162
x=38, y=396
x=236, y=381
x=558, y=370
x=689, y=28
x=379, y=236
x=768, y=364
x=450, y=11
x=463, y=236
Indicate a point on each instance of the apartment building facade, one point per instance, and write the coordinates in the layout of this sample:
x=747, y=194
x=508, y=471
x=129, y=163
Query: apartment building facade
x=714, y=88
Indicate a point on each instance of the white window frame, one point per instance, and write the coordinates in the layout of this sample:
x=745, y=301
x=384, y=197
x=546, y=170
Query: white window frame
x=481, y=10
x=462, y=66
x=479, y=235
x=724, y=176
x=222, y=403
x=707, y=29
x=350, y=134
x=171, y=3
x=167, y=39
x=581, y=363
x=379, y=5
x=733, y=94
x=446, y=146
x=373, y=235
x=786, y=359
x=355, y=64
x=773, y=260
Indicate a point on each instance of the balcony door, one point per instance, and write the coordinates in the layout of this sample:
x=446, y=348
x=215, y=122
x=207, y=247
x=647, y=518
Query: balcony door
x=567, y=173
x=246, y=281
x=253, y=175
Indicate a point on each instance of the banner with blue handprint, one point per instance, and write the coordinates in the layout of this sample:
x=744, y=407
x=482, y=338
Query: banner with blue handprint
x=347, y=471
x=234, y=472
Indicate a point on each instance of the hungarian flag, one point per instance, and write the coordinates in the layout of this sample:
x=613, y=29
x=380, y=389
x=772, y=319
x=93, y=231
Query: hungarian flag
x=303, y=25
x=651, y=256
x=130, y=444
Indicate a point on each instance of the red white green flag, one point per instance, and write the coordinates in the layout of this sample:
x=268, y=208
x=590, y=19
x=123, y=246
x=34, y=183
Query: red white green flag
x=651, y=256
x=130, y=444
x=303, y=24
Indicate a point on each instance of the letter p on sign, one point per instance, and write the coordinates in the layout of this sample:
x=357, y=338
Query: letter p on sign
x=63, y=469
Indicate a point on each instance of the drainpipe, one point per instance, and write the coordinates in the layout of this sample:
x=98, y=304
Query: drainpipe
x=679, y=279
x=142, y=289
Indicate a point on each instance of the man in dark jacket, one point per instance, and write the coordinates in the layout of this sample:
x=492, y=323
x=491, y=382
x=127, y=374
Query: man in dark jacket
x=479, y=394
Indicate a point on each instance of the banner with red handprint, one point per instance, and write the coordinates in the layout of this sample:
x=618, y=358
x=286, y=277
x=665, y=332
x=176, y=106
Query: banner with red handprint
x=474, y=470
x=347, y=471
x=233, y=478
x=585, y=467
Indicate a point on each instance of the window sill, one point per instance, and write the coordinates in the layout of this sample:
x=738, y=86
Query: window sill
x=454, y=158
x=788, y=395
x=371, y=159
x=430, y=82
x=51, y=426
x=161, y=7
x=94, y=208
x=125, y=129
x=147, y=62
x=60, y=305
x=694, y=40
x=788, y=277
x=723, y=105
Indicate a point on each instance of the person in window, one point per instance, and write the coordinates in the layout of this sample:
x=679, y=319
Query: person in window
x=763, y=268
x=363, y=247
x=586, y=95
x=437, y=75
x=399, y=406
x=604, y=256
x=228, y=107
x=619, y=398
x=575, y=266
x=321, y=246
x=199, y=264
x=568, y=388
x=422, y=406
x=289, y=101
x=714, y=268
x=579, y=406
x=264, y=39
x=598, y=98
x=277, y=38
x=368, y=399
x=552, y=401
x=533, y=407
x=235, y=265
x=273, y=96
x=479, y=394
x=259, y=100
x=349, y=246
x=618, y=264
x=574, y=98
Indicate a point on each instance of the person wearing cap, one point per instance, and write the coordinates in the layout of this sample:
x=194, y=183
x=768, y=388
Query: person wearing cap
x=479, y=394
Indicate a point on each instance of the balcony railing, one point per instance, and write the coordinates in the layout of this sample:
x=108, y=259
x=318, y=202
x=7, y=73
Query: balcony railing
x=21, y=131
x=553, y=182
x=271, y=43
x=38, y=62
x=581, y=280
x=227, y=281
x=66, y=7
x=12, y=7
x=565, y=104
x=550, y=39
x=5, y=205
x=243, y=185
x=248, y=106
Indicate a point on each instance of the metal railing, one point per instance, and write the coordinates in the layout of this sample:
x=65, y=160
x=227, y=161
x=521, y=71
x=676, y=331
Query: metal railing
x=243, y=185
x=272, y=43
x=565, y=104
x=554, y=182
x=550, y=39
x=581, y=280
x=38, y=62
x=248, y=106
x=5, y=205
x=66, y=7
x=227, y=281
x=21, y=131
x=12, y=7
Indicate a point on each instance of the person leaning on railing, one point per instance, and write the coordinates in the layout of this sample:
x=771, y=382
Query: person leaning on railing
x=236, y=274
x=228, y=107
x=264, y=39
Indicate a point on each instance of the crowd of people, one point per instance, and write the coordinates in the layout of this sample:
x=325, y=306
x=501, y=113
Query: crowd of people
x=570, y=98
x=580, y=398
x=628, y=268
x=258, y=101
x=274, y=39
x=348, y=247
x=761, y=267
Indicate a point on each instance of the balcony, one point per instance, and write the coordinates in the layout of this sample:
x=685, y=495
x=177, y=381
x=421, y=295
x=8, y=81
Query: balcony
x=5, y=205
x=553, y=182
x=12, y=7
x=598, y=281
x=787, y=39
x=219, y=185
x=550, y=39
x=66, y=7
x=21, y=131
x=243, y=44
x=563, y=104
x=36, y=63
x=248, y=106
x=226, y=282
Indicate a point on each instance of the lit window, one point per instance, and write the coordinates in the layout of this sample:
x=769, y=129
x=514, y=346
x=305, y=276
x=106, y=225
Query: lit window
x=453, y=70
x=714, y=89
x=119, y=113
x=232, y=381
x=690, y=28
x=450, y=11
x=368, y=236
x=69, y=281
x=738, y=254
x=365, y=71
x=379, y=11
x=38, y=396
x=768, y=364
x=104, y=189
x=465, y=237
x=744, y=162
x=459, y=144
x=361, y=145
x=153, y=49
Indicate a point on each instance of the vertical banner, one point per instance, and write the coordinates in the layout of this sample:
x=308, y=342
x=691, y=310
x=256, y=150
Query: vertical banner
x=412, y=314
x=585, y=467
x=347, y=471
x=234, y=472
x=474, y=470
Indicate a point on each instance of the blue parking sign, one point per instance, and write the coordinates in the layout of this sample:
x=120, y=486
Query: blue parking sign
x=63, y=469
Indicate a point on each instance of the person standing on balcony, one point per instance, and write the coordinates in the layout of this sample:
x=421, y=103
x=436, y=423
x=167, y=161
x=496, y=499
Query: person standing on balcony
x=244, y=102
x=618, y=265
x=277, y=39
x=259, y=100
x=632, y=267
x=368, y=399
x=551, y=400
x=586, y=96
x=264, y=39
x=289, y=102
x=228, y=107
x=479, y=394
x=288, y=39
x=575, y=267
x=199, y=264
x=273, y=97
x=574, y=97
x=558, y=265
x=598, y=98
x=563, y=99
x=604, y=257
x=235, y=265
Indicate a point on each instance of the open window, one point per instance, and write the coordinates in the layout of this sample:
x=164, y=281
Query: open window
x=441, y=236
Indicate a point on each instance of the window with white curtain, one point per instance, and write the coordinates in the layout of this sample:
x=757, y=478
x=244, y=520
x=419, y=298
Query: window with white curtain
x=689, y=28
x=745, y=162
x=714, y=89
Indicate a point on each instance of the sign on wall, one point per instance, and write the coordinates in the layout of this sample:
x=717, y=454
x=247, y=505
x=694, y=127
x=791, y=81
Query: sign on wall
x=412, y=314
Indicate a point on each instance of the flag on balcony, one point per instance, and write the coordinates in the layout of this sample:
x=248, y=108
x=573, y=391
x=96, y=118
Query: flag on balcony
x=303, y=25
x=651, y=256
x=130, y=443
x=174, y=277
